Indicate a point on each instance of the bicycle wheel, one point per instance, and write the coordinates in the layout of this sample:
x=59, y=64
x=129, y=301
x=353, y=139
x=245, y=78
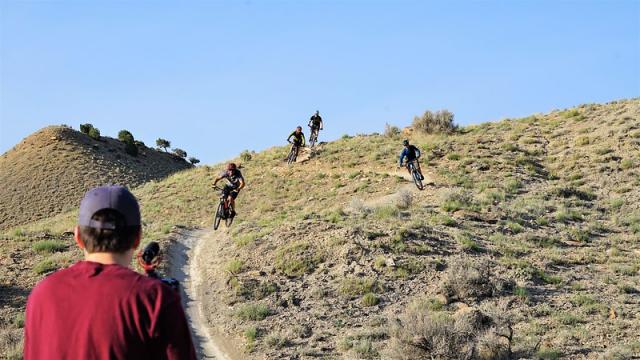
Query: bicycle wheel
x=216, y=220
x=314, y=138
x=416, y=178
x=229, y=220
x=293, y=154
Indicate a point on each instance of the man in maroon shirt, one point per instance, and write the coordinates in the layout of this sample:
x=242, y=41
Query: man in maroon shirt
x=99, y=308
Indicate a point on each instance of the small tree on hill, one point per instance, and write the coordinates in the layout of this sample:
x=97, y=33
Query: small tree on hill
x=439, y=122
x=94, y=133
x=85, y=128
x=125, y=136
x=193, y=160
x=245, y=155
x=180, y=153
x=163, y=143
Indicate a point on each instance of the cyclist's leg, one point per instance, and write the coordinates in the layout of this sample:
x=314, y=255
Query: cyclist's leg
x=232, y=201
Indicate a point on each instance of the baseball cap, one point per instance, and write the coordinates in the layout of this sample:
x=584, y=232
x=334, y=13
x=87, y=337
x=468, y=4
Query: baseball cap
x=113, y=197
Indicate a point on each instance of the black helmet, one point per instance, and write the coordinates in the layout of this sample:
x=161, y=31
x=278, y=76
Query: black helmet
x=405, y=142
x=299, y=127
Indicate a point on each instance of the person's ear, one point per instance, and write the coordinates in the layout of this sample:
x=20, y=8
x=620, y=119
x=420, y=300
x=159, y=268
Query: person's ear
x=136, y=242
x=76, y=236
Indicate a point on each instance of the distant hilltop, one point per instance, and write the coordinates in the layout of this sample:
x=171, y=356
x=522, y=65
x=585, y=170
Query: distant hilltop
x=49, y=171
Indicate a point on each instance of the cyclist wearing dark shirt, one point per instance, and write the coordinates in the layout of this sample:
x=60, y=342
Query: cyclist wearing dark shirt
x=235, y=183
x=315, y=122
x=412, y=154
x=298, y=137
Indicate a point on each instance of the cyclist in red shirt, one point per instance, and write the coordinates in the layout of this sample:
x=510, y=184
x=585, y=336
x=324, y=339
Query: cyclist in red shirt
x=99, y=308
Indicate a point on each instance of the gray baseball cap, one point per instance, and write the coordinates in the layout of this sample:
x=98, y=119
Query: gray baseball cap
x=114, y=197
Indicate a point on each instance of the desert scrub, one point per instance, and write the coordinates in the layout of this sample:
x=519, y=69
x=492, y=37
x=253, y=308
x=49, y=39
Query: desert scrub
x=467, y=242
x=468, y=279
x=297, y=259
x=45, y=266
x=234, y=266
x=277, y=341
x=370, y=299
x=360, y=286
x=457, y=200
x=386, y=212
x=255, y=312
x=49, y=246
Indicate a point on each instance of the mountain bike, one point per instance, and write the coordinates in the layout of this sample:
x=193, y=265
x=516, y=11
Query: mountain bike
x=313, y=138
x=415, y=174
x=293, y=153
x=224, y=210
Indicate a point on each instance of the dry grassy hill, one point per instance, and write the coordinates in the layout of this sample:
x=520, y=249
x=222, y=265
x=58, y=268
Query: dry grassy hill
x=48, y=172
x=526, y=245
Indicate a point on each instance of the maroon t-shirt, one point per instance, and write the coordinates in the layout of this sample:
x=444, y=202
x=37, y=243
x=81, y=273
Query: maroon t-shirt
x=97, y=311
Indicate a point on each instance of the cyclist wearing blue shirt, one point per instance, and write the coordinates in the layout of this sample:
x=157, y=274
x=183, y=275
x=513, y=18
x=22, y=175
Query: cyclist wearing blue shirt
x=412, y=154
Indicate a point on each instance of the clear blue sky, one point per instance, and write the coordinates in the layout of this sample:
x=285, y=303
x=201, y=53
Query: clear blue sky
x=219, y=77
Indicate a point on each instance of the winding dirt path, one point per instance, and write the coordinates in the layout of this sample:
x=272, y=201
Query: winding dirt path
x=184, y=259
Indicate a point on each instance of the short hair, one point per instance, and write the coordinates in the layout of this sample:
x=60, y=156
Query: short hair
x=117, y=240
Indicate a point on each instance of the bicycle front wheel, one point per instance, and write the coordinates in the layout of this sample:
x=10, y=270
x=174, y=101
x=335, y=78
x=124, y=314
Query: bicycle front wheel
x=219, y=212
x=417, y=179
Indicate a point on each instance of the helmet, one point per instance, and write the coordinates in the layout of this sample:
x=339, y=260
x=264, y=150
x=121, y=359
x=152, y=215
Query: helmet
x=405, y=142
x=317, y=112
x=299, y=127
x=231, y=166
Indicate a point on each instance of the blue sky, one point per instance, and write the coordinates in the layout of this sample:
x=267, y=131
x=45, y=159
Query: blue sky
x=219, y=77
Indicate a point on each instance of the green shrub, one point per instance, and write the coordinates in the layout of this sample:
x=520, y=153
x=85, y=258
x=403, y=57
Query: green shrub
x=49, y=246
x=627, y=164
x=453, y=156
x=234, y=266
x=360, y=286
x=246, y=155
x=386, y=212
x=255, y=312
x=193, y=160
x=85, y=128
x=179, y=153
x=94, y=133
x=18, y=320
x=45, y=266
x=125, y=136
x=370, y=299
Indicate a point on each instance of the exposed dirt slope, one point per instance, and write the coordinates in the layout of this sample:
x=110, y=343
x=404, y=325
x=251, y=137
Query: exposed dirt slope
x=49, y=171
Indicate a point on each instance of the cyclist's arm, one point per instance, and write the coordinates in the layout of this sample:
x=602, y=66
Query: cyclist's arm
x=321, y=124
x=304, y=141
x=215, y=182
x=418, y=153
x=290, y=135
x=241, y=186
x=402, y=155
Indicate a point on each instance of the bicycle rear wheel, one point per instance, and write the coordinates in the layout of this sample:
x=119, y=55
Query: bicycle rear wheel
x=229, y=220
x=216, y=220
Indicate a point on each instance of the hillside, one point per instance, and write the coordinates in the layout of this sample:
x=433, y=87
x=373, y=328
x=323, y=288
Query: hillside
x=48, y=172
x=524, y=245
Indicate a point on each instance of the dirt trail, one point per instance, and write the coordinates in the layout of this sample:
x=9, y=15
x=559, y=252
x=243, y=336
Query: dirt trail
x=184, y=260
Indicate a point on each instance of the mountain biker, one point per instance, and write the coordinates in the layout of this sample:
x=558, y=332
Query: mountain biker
x=298, y=138
x=412, y=154
x=315, y=123
x=99, y=308
x=235, y=183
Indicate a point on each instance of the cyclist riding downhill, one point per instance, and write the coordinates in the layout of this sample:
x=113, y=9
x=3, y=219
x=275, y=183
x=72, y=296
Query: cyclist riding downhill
x=235, y=183
x=298, y=140
x=316, y=124
x=412, y=154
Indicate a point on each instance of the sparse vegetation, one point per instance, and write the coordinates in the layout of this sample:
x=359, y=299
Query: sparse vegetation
x=439, y=122
x=163, y=144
